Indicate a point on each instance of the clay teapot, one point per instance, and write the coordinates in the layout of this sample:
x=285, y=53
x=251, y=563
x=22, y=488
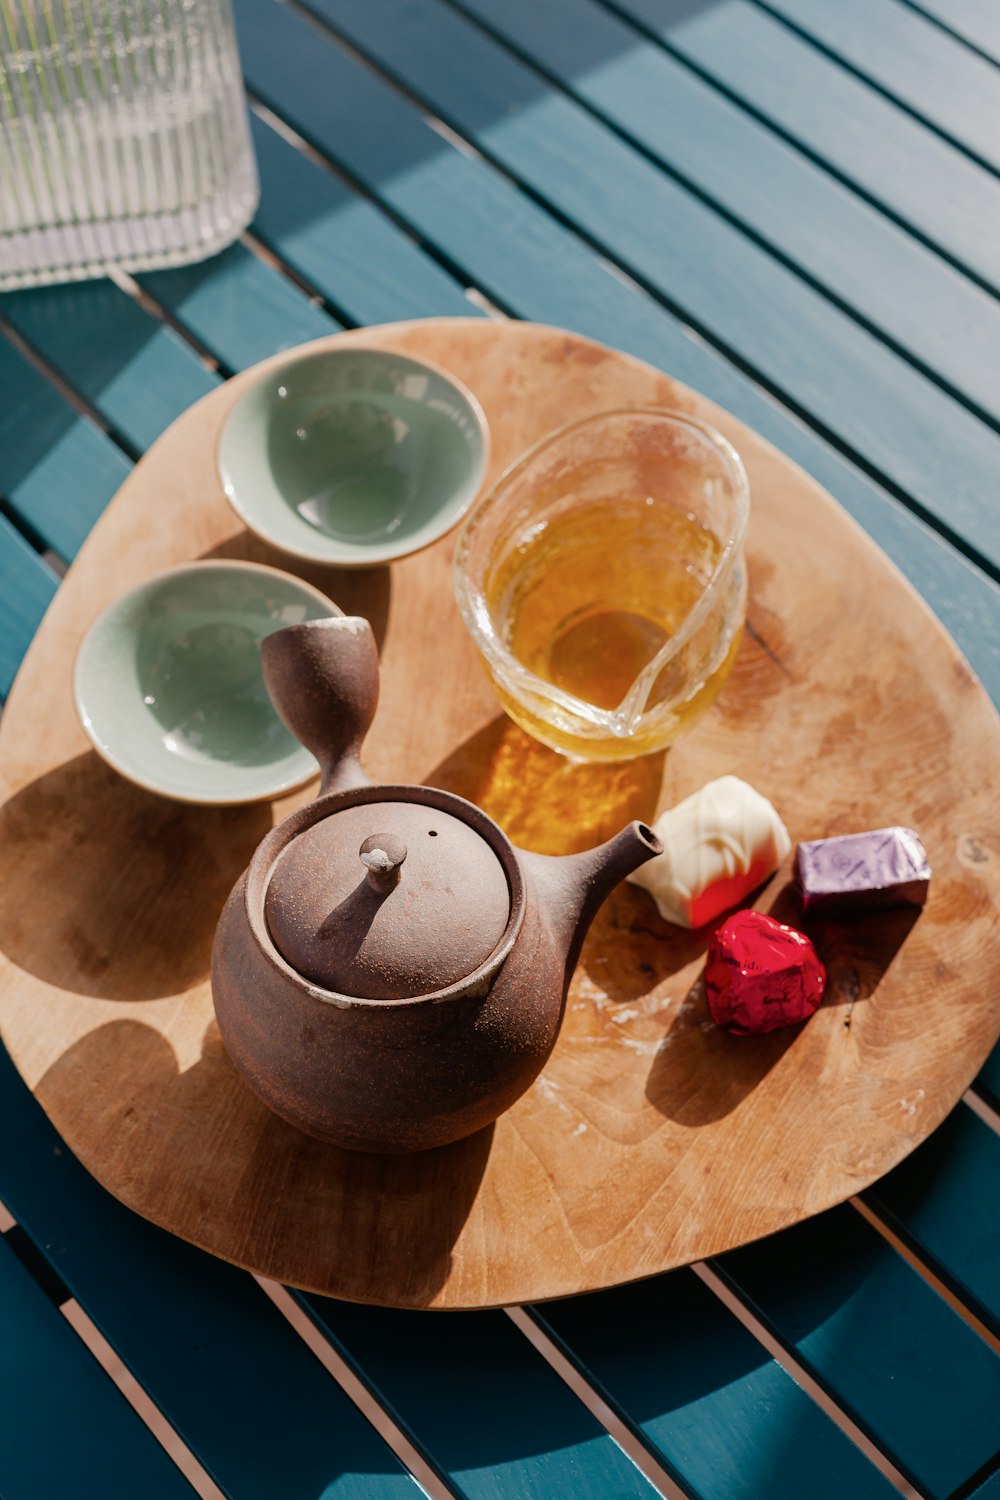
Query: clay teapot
x=390, y=972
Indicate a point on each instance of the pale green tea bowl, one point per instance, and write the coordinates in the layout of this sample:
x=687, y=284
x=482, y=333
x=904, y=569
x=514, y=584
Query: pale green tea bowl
x=353, y=456
x=169, y=687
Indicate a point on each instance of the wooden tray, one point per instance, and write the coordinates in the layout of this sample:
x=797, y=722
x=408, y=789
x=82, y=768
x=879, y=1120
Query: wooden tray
x=652, y=1138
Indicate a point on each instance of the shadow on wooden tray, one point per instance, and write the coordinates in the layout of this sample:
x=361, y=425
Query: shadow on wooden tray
x=357, y=591
x=122, y=905
x=197, y=1151
x=701, y=1072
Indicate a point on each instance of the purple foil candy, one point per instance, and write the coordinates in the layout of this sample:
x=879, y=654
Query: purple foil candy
x=887, y=867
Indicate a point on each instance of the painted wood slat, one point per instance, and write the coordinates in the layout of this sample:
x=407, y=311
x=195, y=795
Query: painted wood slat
x=944, y=1200
x=242, y=310
x=342, y=244
x=903, y=1365
x=965, y=602
x=529, y=263
x=484, y=1406
x=914, y=61
x=238, y=307
x=960, y=595
x=988, y=1081
x=57, y=470
x=990, y=1490
x=27, y=585
x=516, y=253
x=64, y=1428
x=913, y=173
x=957, y=599
x=976, y=21
x=135, y=371
x=872, y=265
x=236, y=1381
x=843, y=377
x=726, y=1420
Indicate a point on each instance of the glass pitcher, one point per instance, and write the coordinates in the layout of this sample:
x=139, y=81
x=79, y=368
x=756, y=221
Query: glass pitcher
x=124, y=138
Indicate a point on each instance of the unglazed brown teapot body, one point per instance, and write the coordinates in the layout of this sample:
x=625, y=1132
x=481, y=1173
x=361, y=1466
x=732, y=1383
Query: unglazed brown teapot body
x=390, y=973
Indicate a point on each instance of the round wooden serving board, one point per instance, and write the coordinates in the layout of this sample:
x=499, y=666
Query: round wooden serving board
x=652, y=1138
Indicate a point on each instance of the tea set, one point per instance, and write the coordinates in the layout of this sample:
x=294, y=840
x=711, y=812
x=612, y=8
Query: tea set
x=389, y=974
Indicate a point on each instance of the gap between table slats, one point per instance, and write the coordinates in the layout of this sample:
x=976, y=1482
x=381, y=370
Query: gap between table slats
x=803, y=1379
x=430, y=1481
x=947, y=201
x=761, y=185
x=979, y=38
x=355, y=30
x=121, y=1377
x=168, y=1437
x=428, y=1478
x=960, y=112
x=677, y=345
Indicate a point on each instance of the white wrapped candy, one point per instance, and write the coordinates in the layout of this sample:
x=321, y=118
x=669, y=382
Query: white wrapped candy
x=718, y=845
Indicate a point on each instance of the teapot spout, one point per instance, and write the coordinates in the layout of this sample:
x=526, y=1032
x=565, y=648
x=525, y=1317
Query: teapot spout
x=322, y=678
x=571, y=887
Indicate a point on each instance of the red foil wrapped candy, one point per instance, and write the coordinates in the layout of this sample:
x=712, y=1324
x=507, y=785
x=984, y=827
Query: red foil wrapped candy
x=761, y=975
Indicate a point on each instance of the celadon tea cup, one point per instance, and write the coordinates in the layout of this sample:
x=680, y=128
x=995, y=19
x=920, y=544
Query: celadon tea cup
x=602, y=580
x=353, y=456
x=170, y=690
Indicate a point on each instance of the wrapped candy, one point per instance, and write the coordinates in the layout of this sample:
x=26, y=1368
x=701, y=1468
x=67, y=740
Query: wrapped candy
x=857, y=871
x=719, y=844
x=761, y=975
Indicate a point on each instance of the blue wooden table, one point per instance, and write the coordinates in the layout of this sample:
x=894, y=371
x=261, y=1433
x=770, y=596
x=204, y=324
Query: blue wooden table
x=794, y=206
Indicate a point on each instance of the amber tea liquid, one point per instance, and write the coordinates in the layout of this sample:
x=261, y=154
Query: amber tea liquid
x=589, y=597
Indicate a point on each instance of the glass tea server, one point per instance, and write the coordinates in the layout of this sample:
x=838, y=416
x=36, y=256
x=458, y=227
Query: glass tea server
x=603, y=581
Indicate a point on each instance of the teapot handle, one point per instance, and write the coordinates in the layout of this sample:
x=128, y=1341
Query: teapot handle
x=323, y=681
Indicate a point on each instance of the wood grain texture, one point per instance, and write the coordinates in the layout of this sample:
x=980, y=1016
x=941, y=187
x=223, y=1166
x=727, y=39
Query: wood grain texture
x=651, y=1139
x=975, y=21
x=342, y=244
x=240, y=308
x=135, y=371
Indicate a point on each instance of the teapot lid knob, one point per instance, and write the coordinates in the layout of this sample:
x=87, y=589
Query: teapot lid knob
x=382, y=854
x=390, y=916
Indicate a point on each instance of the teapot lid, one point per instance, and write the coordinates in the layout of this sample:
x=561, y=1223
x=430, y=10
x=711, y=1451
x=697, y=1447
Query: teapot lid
x=388, y=900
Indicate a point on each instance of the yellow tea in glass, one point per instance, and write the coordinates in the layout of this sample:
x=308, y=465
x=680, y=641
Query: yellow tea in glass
x=603, y=581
